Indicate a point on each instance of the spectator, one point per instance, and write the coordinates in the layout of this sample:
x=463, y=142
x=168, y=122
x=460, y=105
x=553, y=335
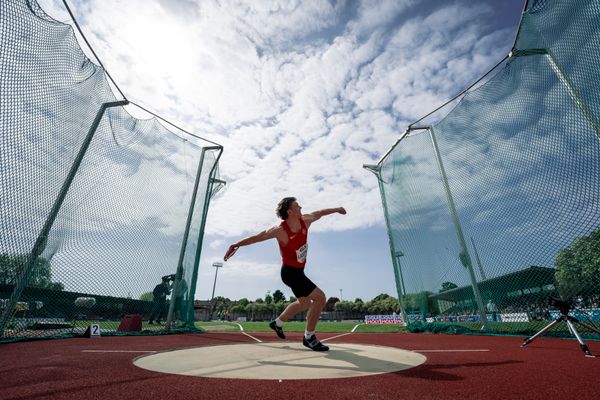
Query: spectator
x=493, y=309
x=160, y=293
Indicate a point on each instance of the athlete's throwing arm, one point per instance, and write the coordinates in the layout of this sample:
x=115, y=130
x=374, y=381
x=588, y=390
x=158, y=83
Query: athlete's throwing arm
x=277, y=232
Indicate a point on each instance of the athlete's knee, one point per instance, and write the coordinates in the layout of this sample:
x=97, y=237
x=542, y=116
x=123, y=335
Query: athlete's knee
x=304, y=301
x=319, y=297
x=322, y=299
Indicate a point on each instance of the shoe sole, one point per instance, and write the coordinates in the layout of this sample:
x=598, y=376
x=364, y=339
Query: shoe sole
x=322, y=348
x=282, y=336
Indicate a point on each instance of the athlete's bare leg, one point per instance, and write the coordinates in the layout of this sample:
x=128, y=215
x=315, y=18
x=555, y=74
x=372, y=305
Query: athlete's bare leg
x=294, y=308
x=314, y=311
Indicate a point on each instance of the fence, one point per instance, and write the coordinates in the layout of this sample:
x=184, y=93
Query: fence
x=96, y=206
x=494, y=209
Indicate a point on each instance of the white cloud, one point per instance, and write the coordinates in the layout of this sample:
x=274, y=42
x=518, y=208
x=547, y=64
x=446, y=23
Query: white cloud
x=215, y=244
x=240, y=277
x=301, y=94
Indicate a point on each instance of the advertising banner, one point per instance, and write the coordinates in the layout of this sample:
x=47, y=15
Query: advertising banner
x=383, y=319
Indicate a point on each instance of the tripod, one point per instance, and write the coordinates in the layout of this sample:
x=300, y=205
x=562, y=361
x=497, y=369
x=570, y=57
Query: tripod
x=565, y=307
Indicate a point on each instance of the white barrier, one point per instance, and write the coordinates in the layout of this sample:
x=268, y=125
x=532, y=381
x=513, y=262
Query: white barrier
x=514, y=317
x=383, y=319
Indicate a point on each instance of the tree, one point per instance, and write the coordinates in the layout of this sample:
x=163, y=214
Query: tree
x=268, y=299
x=330, y=305
x=358, y=306
x=237, y=309
x=380, y=297
x=41, y=276
x=280, y=306
x=221, y=299
x=448, y=286
x=381, y=304
x=374, y=307
x=420, y=302
x=261, y=308
x=391, y=305
x=243, y=302
x=343, y=306
x=250, y=310
x=578, y=267
x=147, y=296
x=278, y=296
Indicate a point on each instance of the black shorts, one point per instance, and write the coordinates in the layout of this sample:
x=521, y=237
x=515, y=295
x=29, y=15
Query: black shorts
x=294, y=278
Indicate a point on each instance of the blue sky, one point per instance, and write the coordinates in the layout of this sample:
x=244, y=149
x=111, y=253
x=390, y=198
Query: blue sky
x=301, y=94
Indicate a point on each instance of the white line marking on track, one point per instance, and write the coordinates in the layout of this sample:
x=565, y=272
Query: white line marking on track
x=250, y=336
x=333, y=337
x=450, y=350
x=118, y=351
x=343, y=334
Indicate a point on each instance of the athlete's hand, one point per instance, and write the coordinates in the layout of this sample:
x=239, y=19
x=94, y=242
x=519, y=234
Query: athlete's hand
x=230, y=252
x=342, y=210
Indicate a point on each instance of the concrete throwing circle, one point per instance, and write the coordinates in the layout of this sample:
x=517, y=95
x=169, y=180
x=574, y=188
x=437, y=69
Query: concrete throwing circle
x=281, y=361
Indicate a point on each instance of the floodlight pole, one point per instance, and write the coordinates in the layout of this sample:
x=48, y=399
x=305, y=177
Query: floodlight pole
x=42, y=239
x=217, y=265
x=464, y=256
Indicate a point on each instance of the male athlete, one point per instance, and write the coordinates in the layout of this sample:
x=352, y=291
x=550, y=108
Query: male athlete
x=291, y=235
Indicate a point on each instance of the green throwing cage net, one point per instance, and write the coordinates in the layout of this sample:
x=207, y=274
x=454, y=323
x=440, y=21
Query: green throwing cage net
x=96, y=206
x=495, y=209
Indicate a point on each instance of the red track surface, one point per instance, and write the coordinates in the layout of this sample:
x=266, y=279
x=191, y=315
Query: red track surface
x=546, y=369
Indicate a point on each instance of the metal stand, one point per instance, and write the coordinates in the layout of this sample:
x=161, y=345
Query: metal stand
x=565, y=307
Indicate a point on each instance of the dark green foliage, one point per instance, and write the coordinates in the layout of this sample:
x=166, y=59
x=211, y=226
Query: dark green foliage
x=278, y=296
x=41, y=276
x=578, y=267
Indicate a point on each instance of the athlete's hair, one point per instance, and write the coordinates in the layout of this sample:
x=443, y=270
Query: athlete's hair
x=283, y=207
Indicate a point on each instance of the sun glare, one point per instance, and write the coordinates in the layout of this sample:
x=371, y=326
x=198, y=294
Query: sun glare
x=162, y=42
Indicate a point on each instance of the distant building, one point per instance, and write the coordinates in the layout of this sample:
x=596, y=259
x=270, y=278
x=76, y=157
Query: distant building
x=515, y=289
x=202, y=310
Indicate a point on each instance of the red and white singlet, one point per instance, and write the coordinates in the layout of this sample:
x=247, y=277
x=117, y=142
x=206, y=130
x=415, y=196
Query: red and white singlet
x=294, y=252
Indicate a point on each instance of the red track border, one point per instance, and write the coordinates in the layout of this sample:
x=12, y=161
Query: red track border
x=66, y=369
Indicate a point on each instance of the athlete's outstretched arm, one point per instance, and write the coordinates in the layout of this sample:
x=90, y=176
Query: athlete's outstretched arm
x=259, y=237
x=315, y=215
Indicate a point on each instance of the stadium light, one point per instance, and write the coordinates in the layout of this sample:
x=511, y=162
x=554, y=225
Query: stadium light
x=217, y=265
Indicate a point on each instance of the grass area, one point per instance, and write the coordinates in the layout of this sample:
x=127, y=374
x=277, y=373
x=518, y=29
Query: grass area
x=513, y=328
x=332, y=327
x=523, y=329
x=104, y=325
x=113, y=325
